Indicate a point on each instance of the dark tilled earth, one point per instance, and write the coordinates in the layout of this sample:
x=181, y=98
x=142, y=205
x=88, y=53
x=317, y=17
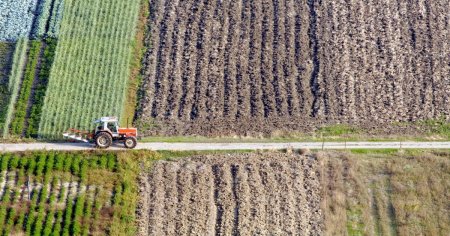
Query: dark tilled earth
x=219, y=67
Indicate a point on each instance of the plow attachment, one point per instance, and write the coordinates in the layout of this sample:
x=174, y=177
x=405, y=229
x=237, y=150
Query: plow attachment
x=79, y=135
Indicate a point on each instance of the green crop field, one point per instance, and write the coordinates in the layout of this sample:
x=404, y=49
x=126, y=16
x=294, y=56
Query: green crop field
x=91, y=67
x=67, y=194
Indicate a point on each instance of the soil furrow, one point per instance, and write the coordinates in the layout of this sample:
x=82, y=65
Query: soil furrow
x=277, y=58
x=150, y=62
x=314, y=47
x=214, y=74
x=188, y=60
x=234, y=186
x=231, y=53
x=218, y=203
x=242, y=76
x=268, y=97
x=156, y=201
x=258, y=198
x=162, y=57
x=174, y=73
x=170, y=198
x=256, y=104
x=203, y=48
x=243, y=196
x=289, y=72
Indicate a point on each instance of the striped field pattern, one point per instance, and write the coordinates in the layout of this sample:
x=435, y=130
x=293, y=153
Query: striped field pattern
x=89, y=75
x=249, y=67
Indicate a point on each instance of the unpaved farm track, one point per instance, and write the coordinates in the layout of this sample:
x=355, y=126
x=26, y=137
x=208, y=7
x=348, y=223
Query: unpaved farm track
x=236, y=194
x=20, y=147
x=250, y=67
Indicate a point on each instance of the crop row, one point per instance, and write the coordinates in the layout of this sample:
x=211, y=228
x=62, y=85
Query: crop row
x=20, y=110
x=91, y=65
x=42, y=163
x=17, y=69
x=24, y=111
x=49, y=15
x=41, y=88
x=62, y=191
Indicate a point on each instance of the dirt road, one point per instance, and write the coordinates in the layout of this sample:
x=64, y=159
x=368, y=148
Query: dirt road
x=6, y=147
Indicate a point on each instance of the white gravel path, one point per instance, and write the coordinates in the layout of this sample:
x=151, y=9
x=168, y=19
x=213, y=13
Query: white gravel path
x=16, y=147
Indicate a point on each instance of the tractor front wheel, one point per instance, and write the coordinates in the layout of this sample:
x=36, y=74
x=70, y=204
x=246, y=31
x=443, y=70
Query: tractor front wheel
x=130, y=142
x=103, y=140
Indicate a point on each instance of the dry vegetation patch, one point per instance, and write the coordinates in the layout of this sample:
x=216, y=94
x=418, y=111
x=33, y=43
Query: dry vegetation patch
x=386, y=194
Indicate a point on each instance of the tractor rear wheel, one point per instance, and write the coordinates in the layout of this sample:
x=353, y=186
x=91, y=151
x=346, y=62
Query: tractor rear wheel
x=130, y=142
x=103, y=140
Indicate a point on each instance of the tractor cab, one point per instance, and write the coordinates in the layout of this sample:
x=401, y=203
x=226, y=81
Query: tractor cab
x=107, y=124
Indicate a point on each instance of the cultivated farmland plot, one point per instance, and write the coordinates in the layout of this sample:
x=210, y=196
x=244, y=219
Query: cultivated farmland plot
x=28, y=18
x=89, y=75
x=16, y=19
x=327, y=193
x=243, y=67
x=246, y=194
x=60, y=194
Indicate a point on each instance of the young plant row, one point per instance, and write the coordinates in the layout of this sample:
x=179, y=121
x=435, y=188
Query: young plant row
x=54, y=209
x=28, y=107
x=44, y=217
x=16, y=73
x=41, y=88
x=20, y=110
x=42, y=164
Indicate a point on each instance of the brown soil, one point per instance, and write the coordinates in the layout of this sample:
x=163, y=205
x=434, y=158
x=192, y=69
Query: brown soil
x=237, y=194
x=327, y=193
x=244, y=67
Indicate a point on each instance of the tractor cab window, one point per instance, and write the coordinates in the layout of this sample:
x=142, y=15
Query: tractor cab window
x=112, y=126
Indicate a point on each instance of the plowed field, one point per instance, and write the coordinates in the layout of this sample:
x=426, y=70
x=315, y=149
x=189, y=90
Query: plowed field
x=383, y=192
x=243, y=67
x=244, y=194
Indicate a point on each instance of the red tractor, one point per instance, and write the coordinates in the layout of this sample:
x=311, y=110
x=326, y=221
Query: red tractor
x=106, y=132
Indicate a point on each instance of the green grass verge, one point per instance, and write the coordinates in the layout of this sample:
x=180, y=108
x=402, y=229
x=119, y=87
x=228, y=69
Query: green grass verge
x=436, y=130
